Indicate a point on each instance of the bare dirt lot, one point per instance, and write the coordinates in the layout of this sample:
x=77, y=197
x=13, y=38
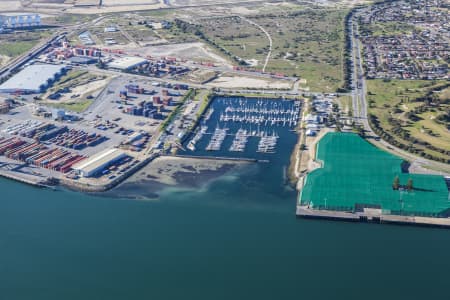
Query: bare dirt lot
x=249, y=82
x=9, y=5
x=189, y=51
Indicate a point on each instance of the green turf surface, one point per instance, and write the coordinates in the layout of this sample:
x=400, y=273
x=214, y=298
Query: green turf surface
x=356, y=172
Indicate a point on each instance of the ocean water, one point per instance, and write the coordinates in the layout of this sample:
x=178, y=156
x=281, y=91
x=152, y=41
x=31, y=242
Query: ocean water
x=235, y=237
x=211, y=244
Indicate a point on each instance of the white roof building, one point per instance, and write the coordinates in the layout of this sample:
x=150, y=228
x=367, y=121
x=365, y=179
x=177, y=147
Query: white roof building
x=33, y=79
x=98, y=162
x=127, y=62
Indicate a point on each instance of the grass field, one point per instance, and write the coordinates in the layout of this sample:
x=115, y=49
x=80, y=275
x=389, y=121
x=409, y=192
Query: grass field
x=17, y=43
x=345, y=103
x=386, y=28
x=78, y=82
x=74, y=106
x=307, y=43
x=410, y=111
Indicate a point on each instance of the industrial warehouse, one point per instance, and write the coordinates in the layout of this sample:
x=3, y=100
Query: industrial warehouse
x=90, y=150
x=33, y=79
x=127, y=63
x=99, y=162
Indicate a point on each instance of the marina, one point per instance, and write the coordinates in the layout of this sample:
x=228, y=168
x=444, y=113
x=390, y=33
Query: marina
x=197, y=137
x=240, y=141
x=267, y=143
x=217, y=139
x=244, y=127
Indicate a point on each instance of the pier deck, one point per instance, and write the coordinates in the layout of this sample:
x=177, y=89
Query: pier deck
x=306, y=212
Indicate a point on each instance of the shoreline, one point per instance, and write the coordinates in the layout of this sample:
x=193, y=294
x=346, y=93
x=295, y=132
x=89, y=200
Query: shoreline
x=370, y=216
x=366, y=214
x=173, y=172
x=48, y=181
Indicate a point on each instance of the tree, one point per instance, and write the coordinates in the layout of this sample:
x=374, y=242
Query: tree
x=396, y=183
x=409, y=185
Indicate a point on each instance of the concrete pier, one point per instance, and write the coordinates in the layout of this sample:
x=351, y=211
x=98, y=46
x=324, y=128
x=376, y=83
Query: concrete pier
x=371, y=216
x=25, y=178
x=223, y=158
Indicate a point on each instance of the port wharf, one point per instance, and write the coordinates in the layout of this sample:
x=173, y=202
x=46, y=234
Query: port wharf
x=102, y=187
x=371, y=216
x=26, y=178
x=89, y=187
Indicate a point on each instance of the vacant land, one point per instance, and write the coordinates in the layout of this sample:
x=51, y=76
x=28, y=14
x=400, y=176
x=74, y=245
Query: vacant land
x=414, y=115
x=307, y=43
x=81, y=88
x=19, y=42
x=232, y=81
x=386, y=28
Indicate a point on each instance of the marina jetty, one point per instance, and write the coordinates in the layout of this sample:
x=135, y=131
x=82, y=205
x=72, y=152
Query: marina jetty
x=243, y=159
x=361, y=183
x=233, y=125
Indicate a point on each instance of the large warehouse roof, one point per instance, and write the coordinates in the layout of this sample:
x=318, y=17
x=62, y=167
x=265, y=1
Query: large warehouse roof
x=32, y=79
x=98, y=161
x=127, y=62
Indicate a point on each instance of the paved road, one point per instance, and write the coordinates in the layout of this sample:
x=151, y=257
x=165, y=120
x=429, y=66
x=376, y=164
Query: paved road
x=36, y=50
x=360, y=112
x=293, y=91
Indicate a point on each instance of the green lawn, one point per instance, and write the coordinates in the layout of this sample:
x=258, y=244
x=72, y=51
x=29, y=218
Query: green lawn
x=393, y=101
x=308, y=43
x=17, y=43
x=75, y=106
x=13, y=49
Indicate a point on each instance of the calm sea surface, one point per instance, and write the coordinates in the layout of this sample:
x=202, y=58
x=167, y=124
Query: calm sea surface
x=236, y=237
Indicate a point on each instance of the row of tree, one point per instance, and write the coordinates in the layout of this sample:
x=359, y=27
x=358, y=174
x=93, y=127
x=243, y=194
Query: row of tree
x=396, y=184
x=413, y=141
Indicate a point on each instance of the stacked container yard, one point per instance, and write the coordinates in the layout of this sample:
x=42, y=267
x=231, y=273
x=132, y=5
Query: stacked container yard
x=145, y=109
x=77, y=139
x=59, y=135
x=135, y=89
x=37, y=154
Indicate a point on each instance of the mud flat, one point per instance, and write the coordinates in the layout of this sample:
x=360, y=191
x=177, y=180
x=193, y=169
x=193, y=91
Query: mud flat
x=177, y=172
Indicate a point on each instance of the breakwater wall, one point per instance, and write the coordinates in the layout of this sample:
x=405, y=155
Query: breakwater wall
x=308, y=213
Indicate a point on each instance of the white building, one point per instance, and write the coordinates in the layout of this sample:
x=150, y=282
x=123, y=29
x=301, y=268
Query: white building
x=111, y=29
x=127, y=63
x=33, y=79
x=98, y=162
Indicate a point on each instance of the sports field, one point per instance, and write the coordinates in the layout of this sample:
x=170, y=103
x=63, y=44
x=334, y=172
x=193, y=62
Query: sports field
x=357, y=173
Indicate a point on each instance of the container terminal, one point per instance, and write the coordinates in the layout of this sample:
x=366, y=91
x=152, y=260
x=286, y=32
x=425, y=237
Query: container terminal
x=129, y=121
x=142, y=111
